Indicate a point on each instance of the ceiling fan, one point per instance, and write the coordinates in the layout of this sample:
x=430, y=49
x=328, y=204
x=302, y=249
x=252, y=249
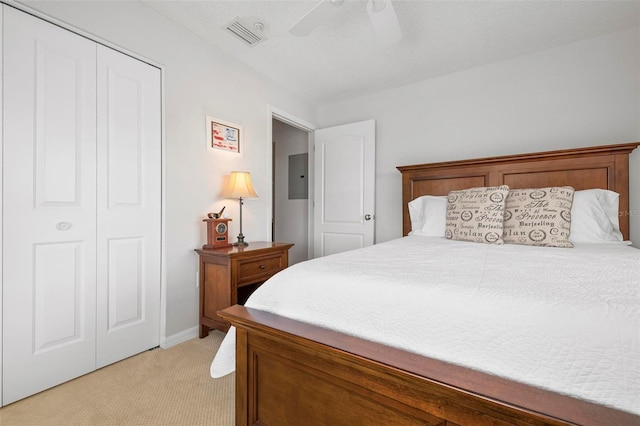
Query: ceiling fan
x=381, y=13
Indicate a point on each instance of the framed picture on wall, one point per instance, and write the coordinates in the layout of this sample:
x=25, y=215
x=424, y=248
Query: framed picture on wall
x=224, y=135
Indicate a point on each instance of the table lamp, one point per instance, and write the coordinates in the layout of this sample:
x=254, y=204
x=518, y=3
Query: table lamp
x=240, y=187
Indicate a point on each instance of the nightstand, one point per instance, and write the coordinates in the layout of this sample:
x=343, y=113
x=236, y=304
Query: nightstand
x=229, y=275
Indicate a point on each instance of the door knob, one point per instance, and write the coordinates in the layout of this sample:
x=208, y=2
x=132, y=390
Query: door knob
x=63, y=226
x=367, y=217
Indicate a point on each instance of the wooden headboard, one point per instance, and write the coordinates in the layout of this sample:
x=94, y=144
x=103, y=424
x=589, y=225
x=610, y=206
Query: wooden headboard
x=605, y=167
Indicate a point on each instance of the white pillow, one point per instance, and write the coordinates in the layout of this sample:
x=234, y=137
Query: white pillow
x=428, y=215
x=416, y=214
x=594, y=217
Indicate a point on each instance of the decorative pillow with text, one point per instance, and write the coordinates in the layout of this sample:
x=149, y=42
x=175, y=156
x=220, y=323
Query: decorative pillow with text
x=476, y=214
x=539, y=216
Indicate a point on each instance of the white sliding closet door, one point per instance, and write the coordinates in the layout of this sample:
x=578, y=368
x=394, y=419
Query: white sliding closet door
x=129, y=205
x=49, y=202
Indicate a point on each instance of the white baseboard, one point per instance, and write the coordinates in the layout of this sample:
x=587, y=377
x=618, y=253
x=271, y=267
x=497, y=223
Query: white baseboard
x=176, y=339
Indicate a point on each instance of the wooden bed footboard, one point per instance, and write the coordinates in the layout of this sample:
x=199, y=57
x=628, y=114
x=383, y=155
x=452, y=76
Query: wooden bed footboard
x=292, y=373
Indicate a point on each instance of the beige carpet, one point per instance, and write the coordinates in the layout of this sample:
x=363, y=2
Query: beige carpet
x=158, y=387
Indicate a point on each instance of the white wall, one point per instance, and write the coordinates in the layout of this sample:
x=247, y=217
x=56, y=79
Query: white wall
x=200, y=80
x=292, y=216
x=582, y=94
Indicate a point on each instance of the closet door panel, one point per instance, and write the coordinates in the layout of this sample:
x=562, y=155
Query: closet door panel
x=129, y=206
x=57, y=286
x=49, y=169
x=125, y=283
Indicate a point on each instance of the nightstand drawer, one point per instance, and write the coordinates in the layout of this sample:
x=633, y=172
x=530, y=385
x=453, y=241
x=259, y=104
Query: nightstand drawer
x=250, y=271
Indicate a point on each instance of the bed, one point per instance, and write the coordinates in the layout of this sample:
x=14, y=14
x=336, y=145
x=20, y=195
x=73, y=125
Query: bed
x=289, y=371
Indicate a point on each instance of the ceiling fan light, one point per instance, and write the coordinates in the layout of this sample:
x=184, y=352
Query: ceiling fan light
x=385, y=22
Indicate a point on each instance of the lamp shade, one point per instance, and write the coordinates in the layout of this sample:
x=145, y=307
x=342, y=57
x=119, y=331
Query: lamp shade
x=240, y=186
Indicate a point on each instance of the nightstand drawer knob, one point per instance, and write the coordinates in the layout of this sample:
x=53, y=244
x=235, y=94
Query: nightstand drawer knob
x=261, y=266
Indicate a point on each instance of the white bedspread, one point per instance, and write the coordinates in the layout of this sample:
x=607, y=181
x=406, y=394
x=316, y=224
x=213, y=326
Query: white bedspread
x=567, y=320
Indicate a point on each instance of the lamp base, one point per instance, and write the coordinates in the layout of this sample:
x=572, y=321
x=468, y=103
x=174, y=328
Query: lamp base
x=240, y=241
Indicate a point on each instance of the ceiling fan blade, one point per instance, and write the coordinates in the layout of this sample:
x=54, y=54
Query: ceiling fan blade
x=316, y=16
x=384, y=21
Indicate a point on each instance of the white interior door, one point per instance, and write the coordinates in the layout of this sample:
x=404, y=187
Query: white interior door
x=49, y=241
x=344, y=187
x=129, y=205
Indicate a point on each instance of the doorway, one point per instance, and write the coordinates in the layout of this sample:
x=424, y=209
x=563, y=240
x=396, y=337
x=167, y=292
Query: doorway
x=290, y=185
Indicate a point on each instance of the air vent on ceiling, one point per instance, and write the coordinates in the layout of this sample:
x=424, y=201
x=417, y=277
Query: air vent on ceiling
x=248, y=31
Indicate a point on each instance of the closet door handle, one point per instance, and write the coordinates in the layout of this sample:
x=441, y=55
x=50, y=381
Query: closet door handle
x=63, y=226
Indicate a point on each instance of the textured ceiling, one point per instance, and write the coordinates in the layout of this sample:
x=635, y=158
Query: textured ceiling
x=342, y=58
